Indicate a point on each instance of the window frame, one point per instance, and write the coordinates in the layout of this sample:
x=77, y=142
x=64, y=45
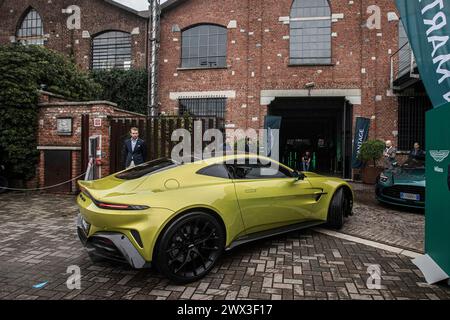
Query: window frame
x=217, y=115
x=202, y=171
x=38, y=39
x=258, y=164
x=183, y=66
x=411, y=121
x=108, y=59
x=329, y=62
x=201, y=104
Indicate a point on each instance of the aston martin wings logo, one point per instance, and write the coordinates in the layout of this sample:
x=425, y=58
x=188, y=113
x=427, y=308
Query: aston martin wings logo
x=439, y=155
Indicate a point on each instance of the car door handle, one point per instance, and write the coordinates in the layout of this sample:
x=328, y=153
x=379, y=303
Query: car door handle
x=250, y=190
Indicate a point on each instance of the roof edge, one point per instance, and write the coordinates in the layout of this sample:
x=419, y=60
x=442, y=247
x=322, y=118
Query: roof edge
x=170, y=4
x=141, y=14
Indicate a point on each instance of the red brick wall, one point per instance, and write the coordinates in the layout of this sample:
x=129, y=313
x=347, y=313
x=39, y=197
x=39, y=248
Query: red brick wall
x=48, y=136
x=96, y=16
x=258, y=58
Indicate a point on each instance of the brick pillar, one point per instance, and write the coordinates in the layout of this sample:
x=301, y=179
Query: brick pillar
x=41, y=169
x=369, y=48
x=255, y=61
x=76, y=168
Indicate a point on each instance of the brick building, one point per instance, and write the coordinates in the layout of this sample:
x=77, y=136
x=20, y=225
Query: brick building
x=63, y=125
x=107, y=35
x=316, y=64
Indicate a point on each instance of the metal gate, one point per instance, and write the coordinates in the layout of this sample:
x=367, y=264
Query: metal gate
x=156, y=132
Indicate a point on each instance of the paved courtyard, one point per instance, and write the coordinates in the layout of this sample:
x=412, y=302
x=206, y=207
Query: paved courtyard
x=394, y=226
x=38, y=242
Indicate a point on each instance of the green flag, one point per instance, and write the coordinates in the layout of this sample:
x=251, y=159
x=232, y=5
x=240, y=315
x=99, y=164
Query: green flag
x=427, y=23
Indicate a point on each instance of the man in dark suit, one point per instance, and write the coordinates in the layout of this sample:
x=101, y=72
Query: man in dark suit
x=417, y=153
x=134, y=150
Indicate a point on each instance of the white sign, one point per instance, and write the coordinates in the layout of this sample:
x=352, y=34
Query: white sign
x=97, y=122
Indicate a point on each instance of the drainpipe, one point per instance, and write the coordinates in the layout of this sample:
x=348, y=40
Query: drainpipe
x=344, y=142
x=154, y=43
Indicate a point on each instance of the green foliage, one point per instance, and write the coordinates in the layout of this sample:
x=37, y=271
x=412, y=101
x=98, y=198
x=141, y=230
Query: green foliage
x=371, y=150
x=23, y=71
x=127, y=88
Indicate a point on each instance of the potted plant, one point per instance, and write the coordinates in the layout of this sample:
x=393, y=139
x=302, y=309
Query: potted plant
x=371, y=152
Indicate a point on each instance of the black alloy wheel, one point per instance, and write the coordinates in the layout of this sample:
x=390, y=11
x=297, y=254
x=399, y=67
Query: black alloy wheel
x=189, y=247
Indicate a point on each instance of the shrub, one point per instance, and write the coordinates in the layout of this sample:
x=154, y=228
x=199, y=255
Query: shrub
x=127, y=88
x=371, y=150
x=23, y=71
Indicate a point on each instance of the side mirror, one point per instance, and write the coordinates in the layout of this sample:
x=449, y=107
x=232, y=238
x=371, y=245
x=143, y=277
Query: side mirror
x=298, y=176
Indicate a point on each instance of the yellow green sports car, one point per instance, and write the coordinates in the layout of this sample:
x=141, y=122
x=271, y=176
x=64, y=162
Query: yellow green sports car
x=180, y=217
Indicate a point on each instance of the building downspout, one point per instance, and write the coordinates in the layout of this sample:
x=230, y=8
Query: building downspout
x=154, y=39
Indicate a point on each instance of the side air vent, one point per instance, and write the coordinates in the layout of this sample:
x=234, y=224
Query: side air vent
x=137, y=237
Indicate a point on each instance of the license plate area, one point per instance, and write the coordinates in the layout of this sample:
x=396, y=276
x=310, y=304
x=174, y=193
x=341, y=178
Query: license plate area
x=410, y=196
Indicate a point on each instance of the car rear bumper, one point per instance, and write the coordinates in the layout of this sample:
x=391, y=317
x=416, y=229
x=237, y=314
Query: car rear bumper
x=140, y=227
x=113, y=246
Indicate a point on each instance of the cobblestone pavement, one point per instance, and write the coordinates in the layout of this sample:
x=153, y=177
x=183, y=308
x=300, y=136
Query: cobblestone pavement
x=38, y=242
x=395, y=226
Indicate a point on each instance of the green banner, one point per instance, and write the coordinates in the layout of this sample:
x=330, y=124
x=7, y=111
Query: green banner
x=427, y=23
x=437, y=218
x=361, y=136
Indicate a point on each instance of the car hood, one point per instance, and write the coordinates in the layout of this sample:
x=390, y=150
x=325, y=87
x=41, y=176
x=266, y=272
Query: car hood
x=408, y=176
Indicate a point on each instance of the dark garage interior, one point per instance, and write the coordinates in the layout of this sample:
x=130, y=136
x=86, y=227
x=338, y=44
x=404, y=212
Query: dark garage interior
x=322, y=126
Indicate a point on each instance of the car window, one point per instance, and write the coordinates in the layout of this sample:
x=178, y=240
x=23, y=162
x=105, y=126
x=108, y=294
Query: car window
x=146, y=169
x=216, y=170
x=255, y=171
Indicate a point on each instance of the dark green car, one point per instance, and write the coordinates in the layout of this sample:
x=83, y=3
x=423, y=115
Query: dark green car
x=403, y=185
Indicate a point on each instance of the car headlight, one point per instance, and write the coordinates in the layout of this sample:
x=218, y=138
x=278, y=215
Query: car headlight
x=384, y=178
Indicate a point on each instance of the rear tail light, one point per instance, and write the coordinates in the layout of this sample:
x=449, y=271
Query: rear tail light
x=112, y=206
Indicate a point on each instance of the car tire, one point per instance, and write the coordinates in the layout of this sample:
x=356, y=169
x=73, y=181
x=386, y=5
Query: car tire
x=336, y=212
x=3, y=184
x=189, y=247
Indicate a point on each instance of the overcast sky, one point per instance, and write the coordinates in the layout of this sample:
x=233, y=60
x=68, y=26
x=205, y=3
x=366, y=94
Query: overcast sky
x=136, y=4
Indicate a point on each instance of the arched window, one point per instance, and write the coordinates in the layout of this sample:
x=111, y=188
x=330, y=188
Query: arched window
x=31, y=30
x=111, y=50
x=310, y=36
x=204, y=46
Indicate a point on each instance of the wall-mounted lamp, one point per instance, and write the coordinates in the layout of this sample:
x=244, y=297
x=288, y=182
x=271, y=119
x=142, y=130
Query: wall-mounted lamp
x=310, y=86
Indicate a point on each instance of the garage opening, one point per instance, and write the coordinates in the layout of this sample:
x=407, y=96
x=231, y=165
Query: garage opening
x=321, y=126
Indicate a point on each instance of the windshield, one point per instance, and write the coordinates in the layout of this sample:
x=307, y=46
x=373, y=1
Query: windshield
x=146, y=169
x=413, y=164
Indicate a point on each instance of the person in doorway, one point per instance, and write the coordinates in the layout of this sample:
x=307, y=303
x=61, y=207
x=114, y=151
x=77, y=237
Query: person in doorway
x=247, y=145
x=306, y=161
x=417, y=153
x=390, y=154
x=134, y=150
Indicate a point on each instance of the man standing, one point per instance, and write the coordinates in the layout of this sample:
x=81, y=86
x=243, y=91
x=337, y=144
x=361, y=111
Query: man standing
x=390, y=153
x=417, y=153
x=134, y=150
x=306, y=161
